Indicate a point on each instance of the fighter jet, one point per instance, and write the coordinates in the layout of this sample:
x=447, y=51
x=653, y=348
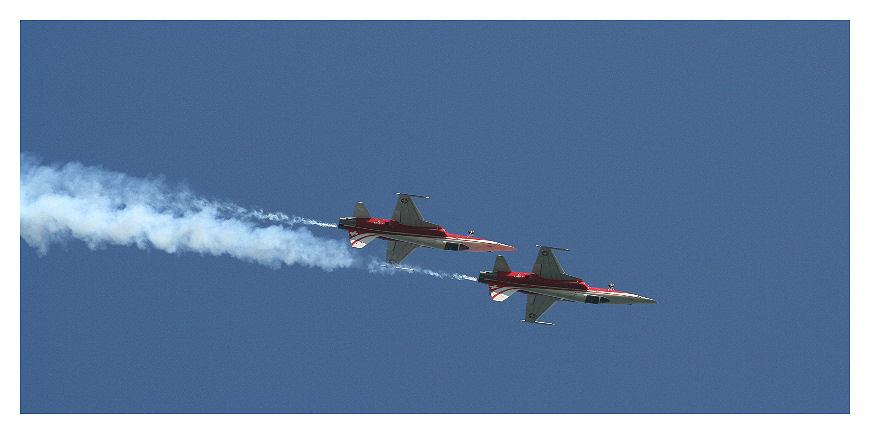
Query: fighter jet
x=547, y=284
x=407, y=230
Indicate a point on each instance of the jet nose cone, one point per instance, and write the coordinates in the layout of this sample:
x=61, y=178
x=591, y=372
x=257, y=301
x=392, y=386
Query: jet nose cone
x=499, y=247
x=646, y=300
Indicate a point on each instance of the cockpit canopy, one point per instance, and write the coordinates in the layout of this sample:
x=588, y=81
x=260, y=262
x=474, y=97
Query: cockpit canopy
x=455, y=246
x=594, y=299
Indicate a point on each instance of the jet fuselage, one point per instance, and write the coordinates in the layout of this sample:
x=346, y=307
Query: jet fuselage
x=435, y=238
x=501, y=283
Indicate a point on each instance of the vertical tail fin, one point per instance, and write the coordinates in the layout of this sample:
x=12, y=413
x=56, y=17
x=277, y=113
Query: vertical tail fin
x=361, y=212
x=501, y=265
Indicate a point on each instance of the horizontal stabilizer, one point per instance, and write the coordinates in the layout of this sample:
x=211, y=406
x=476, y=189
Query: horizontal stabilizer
x=501, y=265
x=501, y=293
x=361, y=212
x=359, y=240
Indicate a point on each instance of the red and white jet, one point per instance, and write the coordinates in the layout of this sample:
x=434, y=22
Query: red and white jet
x=407, y=230
x=547, y=284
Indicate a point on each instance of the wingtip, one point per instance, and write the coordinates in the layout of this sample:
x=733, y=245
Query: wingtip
x=538, y=322
x=414, y=195
x=551, y=247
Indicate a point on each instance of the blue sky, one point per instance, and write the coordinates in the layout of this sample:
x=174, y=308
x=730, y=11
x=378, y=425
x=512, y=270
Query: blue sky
x=702, y=164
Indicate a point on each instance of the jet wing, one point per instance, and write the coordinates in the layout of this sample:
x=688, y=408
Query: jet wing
x=407, y=213
x=536, y=305
x=548, y=267
x=397, y=251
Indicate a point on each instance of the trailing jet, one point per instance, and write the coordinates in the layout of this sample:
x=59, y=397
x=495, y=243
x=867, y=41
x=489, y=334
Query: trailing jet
x=407, y=230
x=547, y=284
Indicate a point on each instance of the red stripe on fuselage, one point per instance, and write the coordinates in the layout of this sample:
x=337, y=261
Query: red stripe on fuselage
x=529, y=280
x=383, y=226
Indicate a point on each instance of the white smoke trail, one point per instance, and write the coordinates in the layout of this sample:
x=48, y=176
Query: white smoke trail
x=102, y=207
x=380, y=267
x=280, y=217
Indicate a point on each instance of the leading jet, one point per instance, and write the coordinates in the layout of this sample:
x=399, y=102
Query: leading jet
x=547, y=284
x=407, y=231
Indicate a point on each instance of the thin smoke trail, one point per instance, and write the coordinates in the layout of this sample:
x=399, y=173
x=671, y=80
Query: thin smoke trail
x=380, y=267
x=280, y=217
x=101, y=207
